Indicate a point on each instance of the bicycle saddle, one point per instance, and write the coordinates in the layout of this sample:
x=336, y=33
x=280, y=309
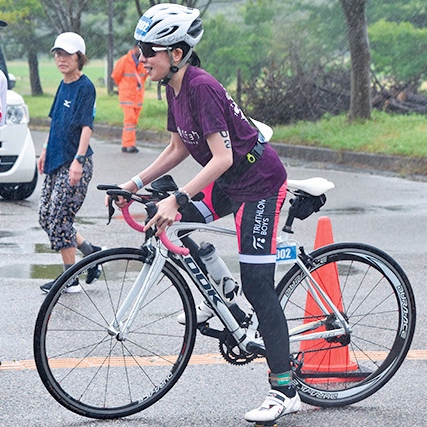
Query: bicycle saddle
x=164, y=183
x=314, y=186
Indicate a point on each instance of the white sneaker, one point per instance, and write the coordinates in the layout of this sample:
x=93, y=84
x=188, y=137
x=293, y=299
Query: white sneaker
x=203, y=313
x=275, y=405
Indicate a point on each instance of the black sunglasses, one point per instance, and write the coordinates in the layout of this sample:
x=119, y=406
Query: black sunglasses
x=148, y=50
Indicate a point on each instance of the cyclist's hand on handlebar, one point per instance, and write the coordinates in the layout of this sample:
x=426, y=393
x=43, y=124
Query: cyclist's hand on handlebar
x=165, y=215
x=120, y=202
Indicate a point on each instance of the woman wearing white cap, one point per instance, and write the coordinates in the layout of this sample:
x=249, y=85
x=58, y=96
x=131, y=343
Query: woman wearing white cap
x=66, y=158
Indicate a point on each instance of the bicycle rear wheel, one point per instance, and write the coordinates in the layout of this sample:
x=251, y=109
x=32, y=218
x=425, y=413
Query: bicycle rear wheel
x=85, y=366
x=374, y=295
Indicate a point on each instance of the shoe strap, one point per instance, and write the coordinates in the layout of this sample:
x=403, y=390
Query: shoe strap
x=274, y=397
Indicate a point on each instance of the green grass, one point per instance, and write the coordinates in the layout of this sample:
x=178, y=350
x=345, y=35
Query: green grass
x=403, y=135
x=384, y=134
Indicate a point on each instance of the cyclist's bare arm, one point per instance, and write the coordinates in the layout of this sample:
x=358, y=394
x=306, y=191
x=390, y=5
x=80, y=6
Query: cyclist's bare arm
x=171, y=156
x=222, y=159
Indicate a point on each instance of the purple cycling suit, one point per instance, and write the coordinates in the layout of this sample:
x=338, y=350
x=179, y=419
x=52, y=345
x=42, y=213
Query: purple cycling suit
x=254, y=196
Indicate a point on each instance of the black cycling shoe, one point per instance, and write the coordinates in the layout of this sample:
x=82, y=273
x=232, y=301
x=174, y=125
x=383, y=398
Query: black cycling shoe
x=71, y=288
x=132, y=149
x=93, y=273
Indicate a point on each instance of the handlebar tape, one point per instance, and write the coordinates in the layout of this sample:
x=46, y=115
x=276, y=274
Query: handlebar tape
x=163, y=237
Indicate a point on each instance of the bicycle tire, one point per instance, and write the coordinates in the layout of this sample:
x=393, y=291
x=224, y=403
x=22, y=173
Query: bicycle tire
x=89, y=370
x=375, y=296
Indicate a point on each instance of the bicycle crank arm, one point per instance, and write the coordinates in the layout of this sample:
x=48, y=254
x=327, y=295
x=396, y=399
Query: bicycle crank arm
x=255, y=348
x=209, y=332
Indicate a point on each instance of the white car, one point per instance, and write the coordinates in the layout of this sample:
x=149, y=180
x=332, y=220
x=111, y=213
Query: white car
x=18, y=165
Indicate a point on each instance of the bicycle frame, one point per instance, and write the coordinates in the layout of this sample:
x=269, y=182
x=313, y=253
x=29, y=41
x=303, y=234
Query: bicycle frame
x=245, y=338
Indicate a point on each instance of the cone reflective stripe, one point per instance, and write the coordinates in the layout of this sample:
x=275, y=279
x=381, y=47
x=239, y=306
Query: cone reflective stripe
x=337, y=360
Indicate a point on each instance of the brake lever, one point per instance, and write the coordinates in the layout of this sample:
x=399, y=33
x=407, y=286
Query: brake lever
x=108, y=187
x=113, y=192
x=111, y=210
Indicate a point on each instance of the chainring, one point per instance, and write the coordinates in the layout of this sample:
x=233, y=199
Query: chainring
x=231, y=352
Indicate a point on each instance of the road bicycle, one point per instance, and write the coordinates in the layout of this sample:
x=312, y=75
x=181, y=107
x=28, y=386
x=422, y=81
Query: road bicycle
x=116, y=348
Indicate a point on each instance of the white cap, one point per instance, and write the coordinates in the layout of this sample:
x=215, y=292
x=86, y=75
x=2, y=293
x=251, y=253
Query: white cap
x=70, y=42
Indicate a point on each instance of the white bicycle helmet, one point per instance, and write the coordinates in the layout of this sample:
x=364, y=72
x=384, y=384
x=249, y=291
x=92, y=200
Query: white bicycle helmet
x=166, y=24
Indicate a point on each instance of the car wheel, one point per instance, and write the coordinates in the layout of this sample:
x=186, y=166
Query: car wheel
x=18, y=191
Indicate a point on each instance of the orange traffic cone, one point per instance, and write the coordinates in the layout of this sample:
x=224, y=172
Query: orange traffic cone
x=327, y=365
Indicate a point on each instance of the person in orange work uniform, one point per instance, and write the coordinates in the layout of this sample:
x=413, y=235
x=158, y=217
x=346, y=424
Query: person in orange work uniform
x=129, y=75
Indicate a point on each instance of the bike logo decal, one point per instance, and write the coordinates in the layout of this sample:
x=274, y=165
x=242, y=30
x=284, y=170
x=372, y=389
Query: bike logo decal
x=405, y=310
x=157, y=388
x=325, y=395
x=212, y=293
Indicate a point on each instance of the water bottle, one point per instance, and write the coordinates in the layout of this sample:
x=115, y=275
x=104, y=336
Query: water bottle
x=220, y=274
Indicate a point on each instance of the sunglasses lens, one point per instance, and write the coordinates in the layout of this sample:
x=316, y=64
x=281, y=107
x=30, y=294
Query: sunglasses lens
x=146, y=49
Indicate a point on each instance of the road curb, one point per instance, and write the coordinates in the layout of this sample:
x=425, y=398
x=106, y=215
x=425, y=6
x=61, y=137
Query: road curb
x=406, y=166
x=409, y=167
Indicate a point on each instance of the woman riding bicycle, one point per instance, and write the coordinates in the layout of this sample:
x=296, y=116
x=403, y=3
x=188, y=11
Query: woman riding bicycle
x=240, y=174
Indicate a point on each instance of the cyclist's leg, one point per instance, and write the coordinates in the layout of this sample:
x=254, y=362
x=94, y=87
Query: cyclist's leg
x=215, y=204
x=256, y=224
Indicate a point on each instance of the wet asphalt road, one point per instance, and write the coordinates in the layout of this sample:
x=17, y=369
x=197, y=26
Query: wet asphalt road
x=387, y=212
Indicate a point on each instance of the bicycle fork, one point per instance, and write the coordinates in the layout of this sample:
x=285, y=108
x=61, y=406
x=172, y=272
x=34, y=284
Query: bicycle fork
x=147, y=277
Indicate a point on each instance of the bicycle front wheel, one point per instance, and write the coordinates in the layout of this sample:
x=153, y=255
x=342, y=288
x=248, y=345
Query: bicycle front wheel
x=95, y=372
x=375, y=297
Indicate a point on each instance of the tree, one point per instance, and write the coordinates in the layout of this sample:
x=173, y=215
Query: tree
x=355, y=15
x=64, y=15
x=25, y=19
x=409, y=45
x=190, y=3
x=412, y=11
x=231, y=44
x=398, y=34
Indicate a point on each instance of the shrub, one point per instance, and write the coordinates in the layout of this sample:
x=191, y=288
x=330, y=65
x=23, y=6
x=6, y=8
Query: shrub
x=279, y=98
